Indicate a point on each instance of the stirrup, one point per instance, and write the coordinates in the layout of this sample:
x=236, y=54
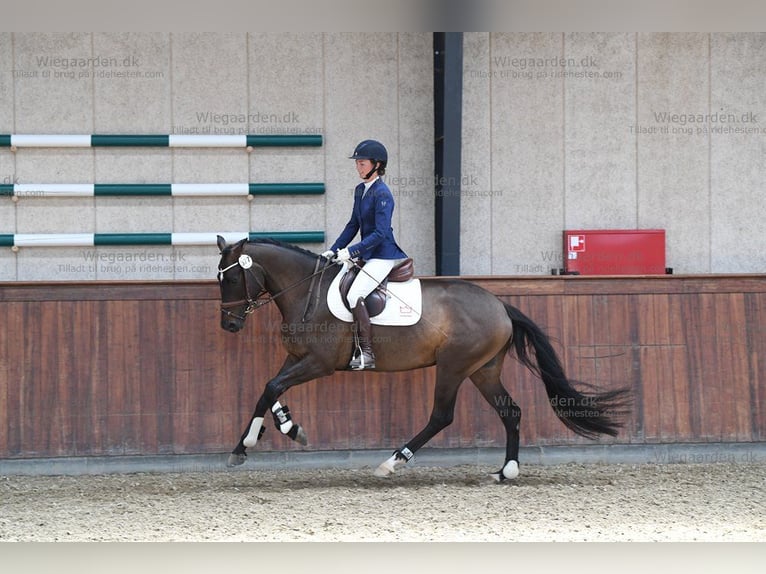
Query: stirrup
x=362, y=361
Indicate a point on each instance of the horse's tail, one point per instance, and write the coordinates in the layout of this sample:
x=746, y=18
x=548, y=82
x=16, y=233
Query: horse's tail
x=587, y=413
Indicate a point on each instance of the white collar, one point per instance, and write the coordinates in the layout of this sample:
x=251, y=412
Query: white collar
x=367, y=184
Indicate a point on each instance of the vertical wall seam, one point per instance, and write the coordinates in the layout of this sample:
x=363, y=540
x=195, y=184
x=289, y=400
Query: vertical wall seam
x=563, y=137
x=709, y=155
x=249, y=106
x=491, y=172
x=635, y=130
x=173, y=152
x=399, y=120
x=172, y=123
x=93, y=153
x=93, y=94
x=323, y=41
x=15, y=130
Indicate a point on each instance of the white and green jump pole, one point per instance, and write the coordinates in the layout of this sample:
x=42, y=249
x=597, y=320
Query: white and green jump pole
x=247, y=141
x=18, y=240
x=157, y=189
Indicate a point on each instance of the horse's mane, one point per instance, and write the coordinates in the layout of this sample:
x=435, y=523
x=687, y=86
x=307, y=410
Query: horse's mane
x=277, y=243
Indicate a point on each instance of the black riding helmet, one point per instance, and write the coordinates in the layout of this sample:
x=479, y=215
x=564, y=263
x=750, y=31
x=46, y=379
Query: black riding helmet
x=375, y=152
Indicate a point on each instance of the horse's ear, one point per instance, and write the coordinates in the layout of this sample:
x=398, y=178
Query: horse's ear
x=238, y=245
x=221, y=243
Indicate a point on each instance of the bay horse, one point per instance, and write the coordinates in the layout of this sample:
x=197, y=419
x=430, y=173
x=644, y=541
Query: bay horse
x=464, y=330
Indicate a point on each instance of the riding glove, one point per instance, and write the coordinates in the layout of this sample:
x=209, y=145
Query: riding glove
x=329, y=254
x=344, y=255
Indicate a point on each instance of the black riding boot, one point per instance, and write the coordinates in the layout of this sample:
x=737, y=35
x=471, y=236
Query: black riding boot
x=363, y=358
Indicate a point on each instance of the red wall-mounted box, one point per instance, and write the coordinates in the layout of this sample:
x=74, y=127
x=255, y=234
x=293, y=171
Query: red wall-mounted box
x=614, y=252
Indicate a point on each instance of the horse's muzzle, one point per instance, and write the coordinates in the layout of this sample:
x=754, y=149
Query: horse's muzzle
x=230, y=322
x=230, y=325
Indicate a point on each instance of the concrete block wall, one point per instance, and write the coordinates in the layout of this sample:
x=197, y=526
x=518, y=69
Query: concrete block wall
x=346, y=87
x=560, y=131
x=598, y=131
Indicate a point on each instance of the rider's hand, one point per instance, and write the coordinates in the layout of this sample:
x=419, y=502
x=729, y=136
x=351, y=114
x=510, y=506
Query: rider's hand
x=329, y=254
x=344, y=255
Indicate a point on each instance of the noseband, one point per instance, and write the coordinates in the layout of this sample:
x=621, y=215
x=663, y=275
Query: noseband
x=252, y=303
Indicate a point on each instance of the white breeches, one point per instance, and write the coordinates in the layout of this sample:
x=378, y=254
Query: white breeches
x=370, y=276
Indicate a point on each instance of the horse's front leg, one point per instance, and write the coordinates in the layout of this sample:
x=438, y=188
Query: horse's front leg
x=294, y=371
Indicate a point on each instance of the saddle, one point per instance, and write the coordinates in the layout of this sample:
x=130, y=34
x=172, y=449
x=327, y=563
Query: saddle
x=376, y=301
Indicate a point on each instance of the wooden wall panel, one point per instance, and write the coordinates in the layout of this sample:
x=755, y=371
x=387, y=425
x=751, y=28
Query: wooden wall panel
x=11, y=408
x=143, y=368
x=755, y=341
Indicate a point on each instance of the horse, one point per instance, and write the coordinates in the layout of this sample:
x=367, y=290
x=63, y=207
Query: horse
x=464, y=330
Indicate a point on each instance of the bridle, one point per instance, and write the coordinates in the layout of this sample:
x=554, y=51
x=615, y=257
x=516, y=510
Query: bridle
x=246, y=263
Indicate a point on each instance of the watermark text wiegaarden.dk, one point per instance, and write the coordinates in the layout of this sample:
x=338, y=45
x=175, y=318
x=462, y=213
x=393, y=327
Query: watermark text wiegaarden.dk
x=94, y=62
x=550, y=68
x=712, y=118
x=127, y=257
x=101, y=67
x=225, y=119
x=553, y=62
x=719, y=122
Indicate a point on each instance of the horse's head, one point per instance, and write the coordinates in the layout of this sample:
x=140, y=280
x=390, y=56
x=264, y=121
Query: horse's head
x=242, y=281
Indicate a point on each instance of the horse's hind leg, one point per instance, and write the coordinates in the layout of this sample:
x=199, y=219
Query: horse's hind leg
x=487, y=380
x=442, y=414
x=284, y=422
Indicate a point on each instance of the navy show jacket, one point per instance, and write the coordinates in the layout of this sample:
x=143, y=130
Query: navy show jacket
x=371, y=215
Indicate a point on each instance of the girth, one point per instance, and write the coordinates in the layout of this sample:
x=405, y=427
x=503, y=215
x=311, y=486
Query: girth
x=376, y=301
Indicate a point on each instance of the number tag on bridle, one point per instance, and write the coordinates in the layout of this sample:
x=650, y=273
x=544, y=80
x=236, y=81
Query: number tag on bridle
x=245, y=261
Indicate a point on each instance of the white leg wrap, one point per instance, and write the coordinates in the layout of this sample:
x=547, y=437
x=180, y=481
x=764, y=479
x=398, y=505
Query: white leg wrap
x=252, y=436
x=508, y=472
x=511, y=469
x=284, y=425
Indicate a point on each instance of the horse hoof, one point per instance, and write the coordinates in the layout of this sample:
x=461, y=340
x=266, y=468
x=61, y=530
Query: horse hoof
x=236, y=459
x=389, y=466
x=301, y=437
x=383, y=470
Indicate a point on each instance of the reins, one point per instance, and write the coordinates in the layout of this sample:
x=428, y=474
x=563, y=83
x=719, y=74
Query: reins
x=246, y=263
x=313, y=276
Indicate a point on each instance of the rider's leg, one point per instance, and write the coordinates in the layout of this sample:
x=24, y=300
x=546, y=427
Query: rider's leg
x=369, y=277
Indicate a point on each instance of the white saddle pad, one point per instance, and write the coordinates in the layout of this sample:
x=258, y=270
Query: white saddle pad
x=404, y=303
